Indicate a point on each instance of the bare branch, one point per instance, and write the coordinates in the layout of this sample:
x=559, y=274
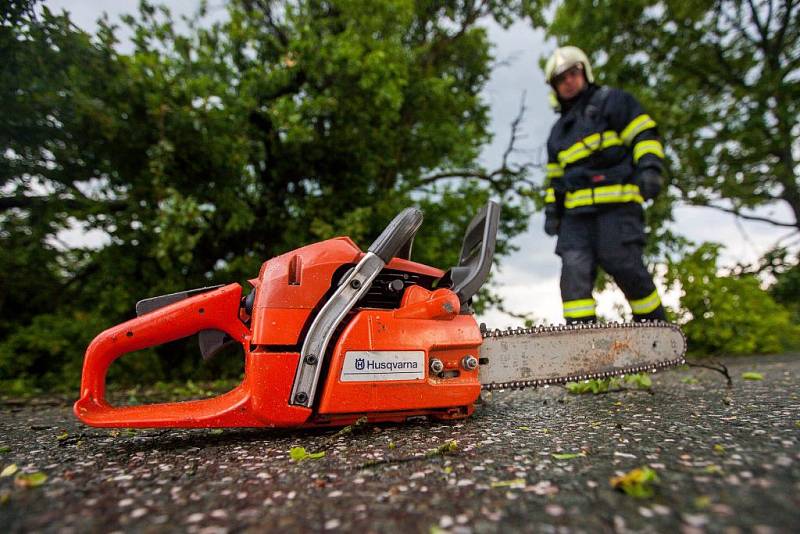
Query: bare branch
x=514, y=130
x=720, y=368
x=757, y=21
x=738, y=213
x=506, y=169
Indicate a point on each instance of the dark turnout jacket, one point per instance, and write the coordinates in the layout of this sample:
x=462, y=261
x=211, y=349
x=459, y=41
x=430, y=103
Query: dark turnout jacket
x=596, y=150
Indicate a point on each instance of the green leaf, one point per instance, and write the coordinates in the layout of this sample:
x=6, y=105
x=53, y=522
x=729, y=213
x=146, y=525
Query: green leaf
x=62, y=437
x=719, y=449
x=689, y=380
x=517, y=482
x=4, y=450
x=712, y=469
x=640, y=380
x=637, y=483
x=568, y=455
x=30, y=480
x=702, y=502
x=299, y=454
x=752, y=375
x=448, y=448
x=9, y=470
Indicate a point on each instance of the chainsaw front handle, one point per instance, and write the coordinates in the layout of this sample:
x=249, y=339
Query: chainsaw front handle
x=217, y=309
x=351, y=288
x=399, y=232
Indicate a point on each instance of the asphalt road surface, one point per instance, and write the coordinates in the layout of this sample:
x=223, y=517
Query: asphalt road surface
x=718, y=459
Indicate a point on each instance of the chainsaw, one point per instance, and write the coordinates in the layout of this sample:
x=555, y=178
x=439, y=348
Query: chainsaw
x=332, y=334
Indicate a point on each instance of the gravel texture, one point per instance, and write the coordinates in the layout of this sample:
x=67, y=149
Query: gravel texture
x=727, y=460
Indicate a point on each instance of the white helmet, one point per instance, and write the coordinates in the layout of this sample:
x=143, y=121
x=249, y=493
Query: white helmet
x=565, y=58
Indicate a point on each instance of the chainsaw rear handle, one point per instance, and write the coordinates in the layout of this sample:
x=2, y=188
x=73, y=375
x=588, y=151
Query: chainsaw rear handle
x=399, y=232
x=217, y=309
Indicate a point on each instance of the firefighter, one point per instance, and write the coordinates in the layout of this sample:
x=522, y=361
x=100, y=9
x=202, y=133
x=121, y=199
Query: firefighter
x=604, y=162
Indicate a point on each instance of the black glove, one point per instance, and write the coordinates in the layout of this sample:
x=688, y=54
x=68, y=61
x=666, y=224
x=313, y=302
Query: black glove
x=650, y=182
x=551, y=224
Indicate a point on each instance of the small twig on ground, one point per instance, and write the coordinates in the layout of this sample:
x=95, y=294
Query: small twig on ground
x=629, y=390
x=451, y=447
x=616, y=390
x=359, y=425
x=718, y=367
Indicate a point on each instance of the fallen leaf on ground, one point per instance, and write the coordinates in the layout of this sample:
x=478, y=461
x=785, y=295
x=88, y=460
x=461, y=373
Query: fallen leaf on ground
x=752, y=375
x=702, y=502
x=447, y=448
x=636, y=483
x=9, y=470
x=518, y=482
x=298, y=454
x=719, y=449
x=568, y=455
x=30, y=480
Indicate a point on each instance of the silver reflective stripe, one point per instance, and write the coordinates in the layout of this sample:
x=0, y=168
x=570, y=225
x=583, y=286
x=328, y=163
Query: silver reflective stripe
x=350, y=289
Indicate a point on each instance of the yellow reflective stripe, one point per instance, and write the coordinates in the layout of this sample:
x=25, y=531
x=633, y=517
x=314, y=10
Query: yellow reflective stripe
x=636, y=126
x=647, y=304
x=574, y=309
x=606, y=194
x=554, y=170
x=550, y=197
x=618, y=193
x=588, y=145
x=647, y=147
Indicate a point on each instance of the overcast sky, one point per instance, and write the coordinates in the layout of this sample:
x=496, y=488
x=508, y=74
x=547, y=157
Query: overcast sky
x=529, y=278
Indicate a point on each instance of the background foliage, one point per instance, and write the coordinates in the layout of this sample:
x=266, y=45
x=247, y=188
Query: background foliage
x=199, y=154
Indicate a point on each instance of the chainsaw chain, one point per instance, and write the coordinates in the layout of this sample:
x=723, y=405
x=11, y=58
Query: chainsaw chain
x=560, y=329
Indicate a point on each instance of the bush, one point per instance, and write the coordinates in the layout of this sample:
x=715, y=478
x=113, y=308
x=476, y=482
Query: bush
x=728, y=314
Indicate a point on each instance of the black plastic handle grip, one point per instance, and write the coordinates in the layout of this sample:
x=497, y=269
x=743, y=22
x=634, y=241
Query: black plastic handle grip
x=400, y=230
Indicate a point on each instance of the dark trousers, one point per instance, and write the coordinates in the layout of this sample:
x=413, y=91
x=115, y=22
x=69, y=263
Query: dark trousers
x=614, y=239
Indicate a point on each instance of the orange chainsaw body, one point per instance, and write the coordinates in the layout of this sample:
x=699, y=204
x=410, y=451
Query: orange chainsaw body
x=408, y=327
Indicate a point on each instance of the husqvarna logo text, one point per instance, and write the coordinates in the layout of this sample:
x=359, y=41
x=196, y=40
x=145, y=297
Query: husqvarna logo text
x=379, y=365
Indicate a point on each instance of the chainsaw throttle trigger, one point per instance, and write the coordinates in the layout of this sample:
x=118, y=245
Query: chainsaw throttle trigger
x=212, y=342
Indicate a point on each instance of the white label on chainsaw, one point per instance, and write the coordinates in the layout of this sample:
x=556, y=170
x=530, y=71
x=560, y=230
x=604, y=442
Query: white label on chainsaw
x=376, y=365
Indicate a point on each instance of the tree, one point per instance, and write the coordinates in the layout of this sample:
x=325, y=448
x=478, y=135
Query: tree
x=729, y=313
x=722, y=79
x=200, y=155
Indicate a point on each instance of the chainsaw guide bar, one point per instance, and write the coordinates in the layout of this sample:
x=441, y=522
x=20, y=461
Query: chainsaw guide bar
x=332, y=334
x=547, y=355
